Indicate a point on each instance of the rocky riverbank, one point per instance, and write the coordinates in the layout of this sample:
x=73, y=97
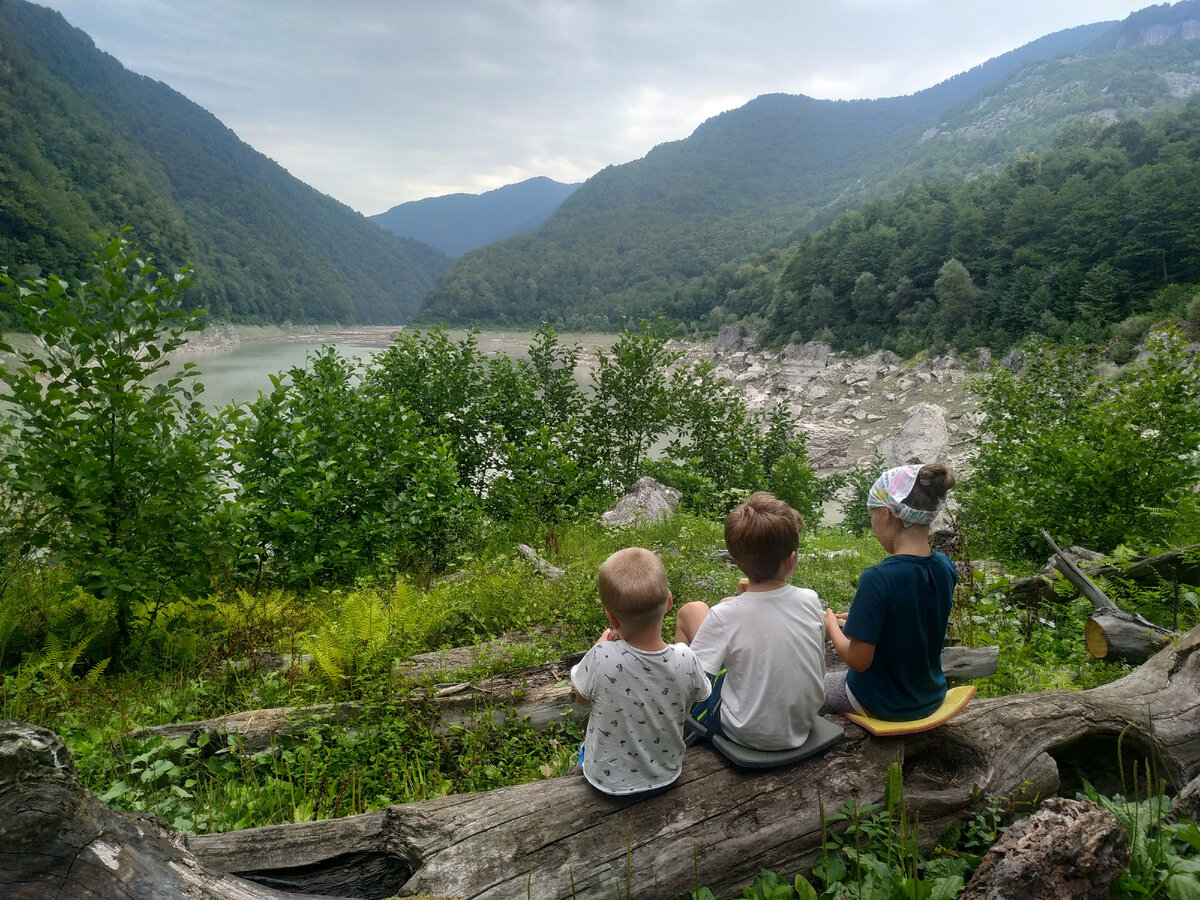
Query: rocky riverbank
x=854, y=409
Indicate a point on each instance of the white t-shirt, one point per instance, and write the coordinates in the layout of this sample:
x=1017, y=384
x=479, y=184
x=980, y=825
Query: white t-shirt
x=772, y=645
x=639, y=702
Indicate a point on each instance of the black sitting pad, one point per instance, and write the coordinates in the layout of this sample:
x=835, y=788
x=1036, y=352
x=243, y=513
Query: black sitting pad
x=824, y=734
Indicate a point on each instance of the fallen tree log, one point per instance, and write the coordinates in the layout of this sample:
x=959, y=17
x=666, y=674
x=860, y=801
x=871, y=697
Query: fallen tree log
x=539, y=695
x=1180, y=565
x=559, y=838
x=58, y=841
x=1110, y=632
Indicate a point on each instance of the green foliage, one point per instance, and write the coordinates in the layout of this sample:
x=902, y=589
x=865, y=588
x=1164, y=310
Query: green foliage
x=721, y=453
x=114, y=474
x=1042, y=247
x=1093, y=461
x=1164, y=856
x=85, y=144
x=335, y=478
x=633, y=400
x=856, y=518
x=352, y=644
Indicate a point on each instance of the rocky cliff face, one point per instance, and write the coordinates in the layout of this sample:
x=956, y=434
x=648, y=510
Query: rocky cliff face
x=853, y=409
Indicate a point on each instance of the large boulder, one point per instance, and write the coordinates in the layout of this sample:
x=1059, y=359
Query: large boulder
x=925, y=436
x=647, y=501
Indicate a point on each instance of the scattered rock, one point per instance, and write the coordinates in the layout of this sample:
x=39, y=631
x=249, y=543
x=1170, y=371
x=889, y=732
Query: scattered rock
x=647, y=501
x=1014, y=361
x=547, y=571
x=924, y=436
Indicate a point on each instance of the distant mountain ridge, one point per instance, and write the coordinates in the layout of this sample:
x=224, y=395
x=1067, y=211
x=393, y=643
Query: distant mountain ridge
x=87, y=145
x=456, y=223
x=755, y=179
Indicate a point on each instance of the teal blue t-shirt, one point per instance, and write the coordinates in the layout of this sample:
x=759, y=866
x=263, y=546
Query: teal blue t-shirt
x=902, y=606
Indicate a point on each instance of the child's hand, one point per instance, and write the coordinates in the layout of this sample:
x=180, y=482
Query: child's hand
x=834, y=619
x=610, y=634
x=743, y=583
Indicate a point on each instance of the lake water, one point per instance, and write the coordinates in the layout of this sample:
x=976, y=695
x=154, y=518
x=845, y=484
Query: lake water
x=237, y=375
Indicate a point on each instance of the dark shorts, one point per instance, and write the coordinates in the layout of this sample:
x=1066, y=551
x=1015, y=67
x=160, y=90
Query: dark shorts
x=707, y=712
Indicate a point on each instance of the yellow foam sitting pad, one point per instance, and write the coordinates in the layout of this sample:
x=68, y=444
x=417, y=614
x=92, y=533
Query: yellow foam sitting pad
x=955, y=702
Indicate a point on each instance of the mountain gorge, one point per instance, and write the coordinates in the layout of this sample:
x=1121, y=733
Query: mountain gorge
x=647, y=235
x=86, y=145
x=750, y=219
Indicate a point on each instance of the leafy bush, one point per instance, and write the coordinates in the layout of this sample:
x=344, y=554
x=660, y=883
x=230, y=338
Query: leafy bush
x=1094, y=461
x=335, y=478
x=111, y=473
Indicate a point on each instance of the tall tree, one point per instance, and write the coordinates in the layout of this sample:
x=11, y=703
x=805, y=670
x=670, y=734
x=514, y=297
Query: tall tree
x=116, y=472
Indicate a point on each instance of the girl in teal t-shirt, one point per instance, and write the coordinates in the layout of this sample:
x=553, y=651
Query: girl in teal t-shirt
x=893, y=636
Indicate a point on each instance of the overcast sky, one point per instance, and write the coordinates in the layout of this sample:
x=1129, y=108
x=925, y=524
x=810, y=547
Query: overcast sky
x=377, y=102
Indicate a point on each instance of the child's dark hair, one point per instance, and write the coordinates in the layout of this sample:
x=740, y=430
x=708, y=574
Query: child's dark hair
x=761, y=533
x=930, y=488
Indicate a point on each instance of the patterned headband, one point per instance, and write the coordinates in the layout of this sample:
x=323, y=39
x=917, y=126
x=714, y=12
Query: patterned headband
x=889, y=491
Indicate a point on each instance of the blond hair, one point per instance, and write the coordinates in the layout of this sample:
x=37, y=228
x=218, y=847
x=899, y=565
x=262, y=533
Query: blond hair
x=761, y=533
x=633, y=587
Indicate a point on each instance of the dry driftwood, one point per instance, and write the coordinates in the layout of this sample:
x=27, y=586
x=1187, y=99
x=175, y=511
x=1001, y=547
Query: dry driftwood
x=1110, y=632
x=559, y=838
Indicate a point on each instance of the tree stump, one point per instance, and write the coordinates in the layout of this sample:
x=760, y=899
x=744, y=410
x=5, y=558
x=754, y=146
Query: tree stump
x=1110, y=632
x=1067, y=850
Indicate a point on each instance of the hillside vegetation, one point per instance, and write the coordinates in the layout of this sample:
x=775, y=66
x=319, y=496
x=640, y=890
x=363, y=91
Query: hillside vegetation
x=1092, y=241
x=86, y=145
x=756, y=179
x=457, y=223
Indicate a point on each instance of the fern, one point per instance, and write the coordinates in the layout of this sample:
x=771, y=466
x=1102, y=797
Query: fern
x=353, y=642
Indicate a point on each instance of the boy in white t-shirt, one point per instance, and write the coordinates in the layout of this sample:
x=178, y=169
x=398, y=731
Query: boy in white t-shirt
x=640, y=688
x=765, y=648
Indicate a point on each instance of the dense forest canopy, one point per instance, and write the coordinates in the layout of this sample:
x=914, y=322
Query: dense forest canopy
x=1066, y=244
x=86, y=145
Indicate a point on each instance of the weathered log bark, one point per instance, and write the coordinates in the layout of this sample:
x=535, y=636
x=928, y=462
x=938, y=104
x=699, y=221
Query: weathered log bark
x=964, y=663
x=1180, y=565
x=1067, y=850
x=1110, y=632
x=559, y=838
x=58, y=841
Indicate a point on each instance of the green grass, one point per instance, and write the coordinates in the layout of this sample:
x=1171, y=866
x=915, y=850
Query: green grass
x=195, y=666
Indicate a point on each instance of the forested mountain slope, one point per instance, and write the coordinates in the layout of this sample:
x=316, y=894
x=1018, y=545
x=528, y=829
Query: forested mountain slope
x=1096, y=238
x=761, y=176
x=457, y=223
x=87, y=145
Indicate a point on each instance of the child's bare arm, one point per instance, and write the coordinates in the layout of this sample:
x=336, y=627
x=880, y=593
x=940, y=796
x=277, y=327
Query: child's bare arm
x=857, y=654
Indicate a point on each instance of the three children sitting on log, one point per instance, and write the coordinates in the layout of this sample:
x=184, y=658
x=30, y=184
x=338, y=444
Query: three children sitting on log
x=752, y=668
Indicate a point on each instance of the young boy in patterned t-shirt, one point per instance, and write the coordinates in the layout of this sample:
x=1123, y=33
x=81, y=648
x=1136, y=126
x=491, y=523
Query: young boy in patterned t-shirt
x=640, y=688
